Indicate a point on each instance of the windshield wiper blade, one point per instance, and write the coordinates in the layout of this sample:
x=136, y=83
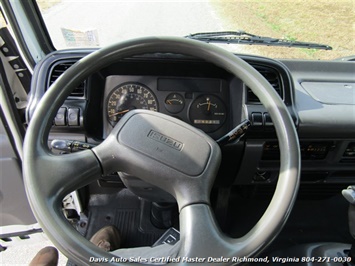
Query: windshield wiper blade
x=242, y=37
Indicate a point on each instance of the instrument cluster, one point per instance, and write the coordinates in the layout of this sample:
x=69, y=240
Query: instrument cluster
x=201, y=102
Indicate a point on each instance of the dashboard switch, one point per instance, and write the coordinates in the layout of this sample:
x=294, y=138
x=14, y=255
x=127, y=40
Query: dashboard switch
x=256, y=119
x=60, y=118
x=73, y=116
x=267, y=120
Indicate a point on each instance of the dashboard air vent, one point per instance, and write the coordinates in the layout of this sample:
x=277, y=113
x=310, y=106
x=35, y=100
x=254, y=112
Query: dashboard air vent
x=270, y=75
x=57, y=70
x=349, y=154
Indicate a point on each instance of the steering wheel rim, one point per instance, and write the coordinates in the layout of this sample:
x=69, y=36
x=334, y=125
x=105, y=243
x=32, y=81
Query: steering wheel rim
x=47, y=182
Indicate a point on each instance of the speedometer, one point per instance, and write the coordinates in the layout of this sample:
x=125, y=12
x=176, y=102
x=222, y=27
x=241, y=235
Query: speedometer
x=127, y=97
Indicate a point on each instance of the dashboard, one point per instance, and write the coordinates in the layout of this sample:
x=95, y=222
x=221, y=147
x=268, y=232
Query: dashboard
x=319, y=96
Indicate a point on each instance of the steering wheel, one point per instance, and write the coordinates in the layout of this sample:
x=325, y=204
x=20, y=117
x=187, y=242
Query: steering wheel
x=159, y=149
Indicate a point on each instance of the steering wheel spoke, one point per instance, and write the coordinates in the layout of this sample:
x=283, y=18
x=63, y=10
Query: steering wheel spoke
x=58, y=175
x=199, y=231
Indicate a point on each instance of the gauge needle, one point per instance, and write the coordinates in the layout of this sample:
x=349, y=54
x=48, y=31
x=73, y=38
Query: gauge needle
x=168, y=101
x=209, y=106
x=118, y=113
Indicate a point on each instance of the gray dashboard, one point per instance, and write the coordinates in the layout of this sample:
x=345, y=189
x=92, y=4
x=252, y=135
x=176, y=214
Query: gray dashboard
x=320, y=96
x=333, y=114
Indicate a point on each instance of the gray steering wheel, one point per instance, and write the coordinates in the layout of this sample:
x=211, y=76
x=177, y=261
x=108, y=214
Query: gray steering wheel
x=160, y=150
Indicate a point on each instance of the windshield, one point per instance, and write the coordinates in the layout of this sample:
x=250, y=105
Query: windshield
x=96, y=23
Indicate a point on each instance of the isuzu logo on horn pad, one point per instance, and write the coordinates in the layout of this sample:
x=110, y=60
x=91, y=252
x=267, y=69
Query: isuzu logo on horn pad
x=172, y=143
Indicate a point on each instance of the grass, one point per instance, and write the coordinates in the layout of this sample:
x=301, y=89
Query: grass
x=329, y=22
x=46, y=4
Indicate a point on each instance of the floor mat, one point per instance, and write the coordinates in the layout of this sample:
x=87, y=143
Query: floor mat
x=128, y=213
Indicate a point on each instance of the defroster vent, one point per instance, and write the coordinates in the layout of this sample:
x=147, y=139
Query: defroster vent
x=57, y=70
x=271, y=75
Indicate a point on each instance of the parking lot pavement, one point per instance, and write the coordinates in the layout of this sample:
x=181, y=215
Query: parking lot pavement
x=21, y=251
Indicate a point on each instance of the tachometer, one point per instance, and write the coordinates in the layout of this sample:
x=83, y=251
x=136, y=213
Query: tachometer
x=129, y=96
x=208, y=113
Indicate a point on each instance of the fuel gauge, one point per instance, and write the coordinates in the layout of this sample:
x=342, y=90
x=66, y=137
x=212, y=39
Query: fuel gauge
x=174, y=103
